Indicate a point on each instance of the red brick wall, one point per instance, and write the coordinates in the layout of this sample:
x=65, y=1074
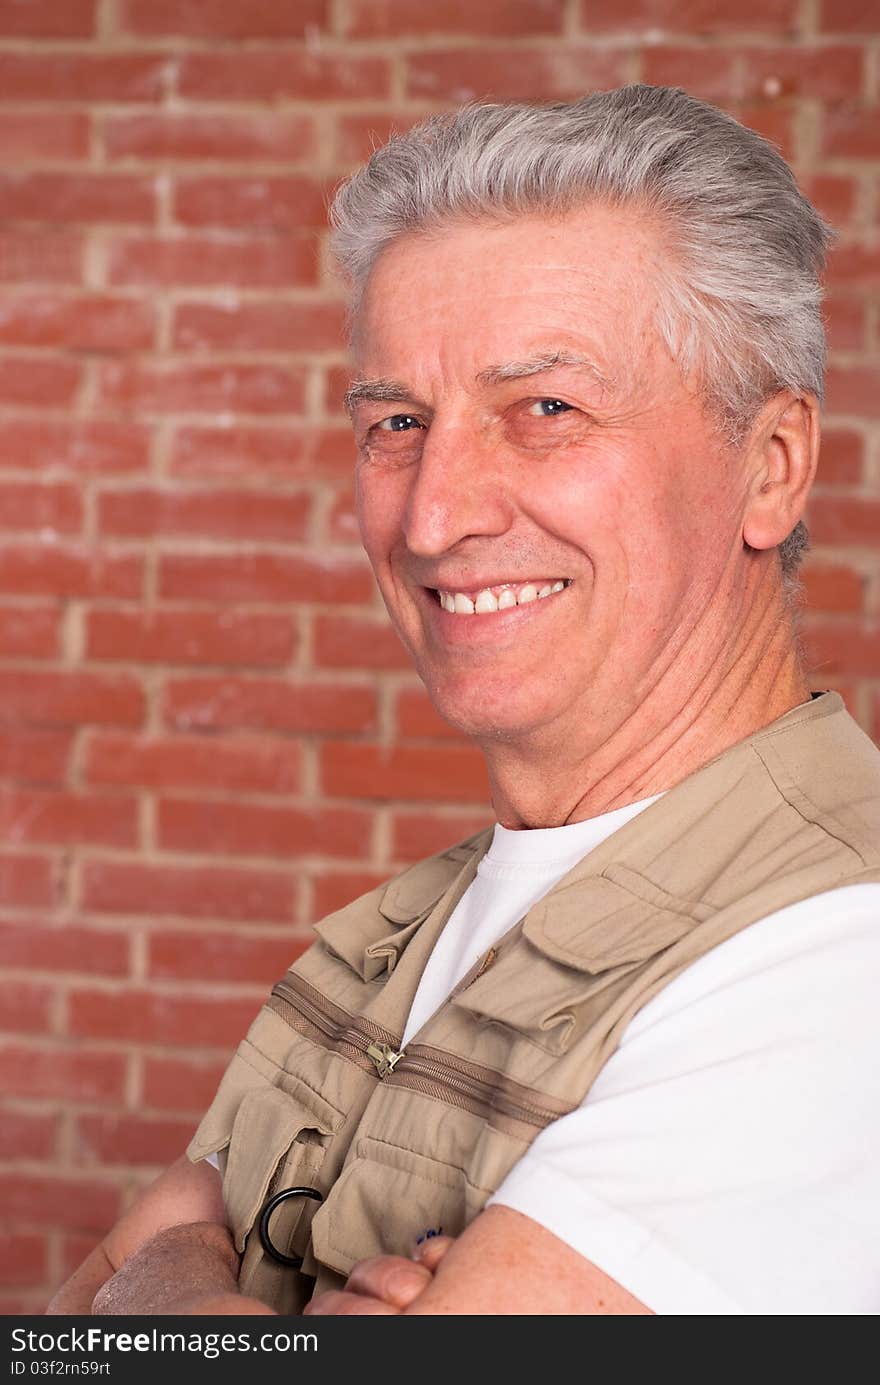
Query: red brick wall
x=208, y=735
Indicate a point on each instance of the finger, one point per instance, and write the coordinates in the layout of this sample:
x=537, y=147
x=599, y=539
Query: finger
x=392, y=1278
x=430, y=1252
x=337, y=1303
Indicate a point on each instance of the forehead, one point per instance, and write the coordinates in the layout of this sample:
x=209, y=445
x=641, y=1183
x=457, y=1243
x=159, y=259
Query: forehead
x=466, y=294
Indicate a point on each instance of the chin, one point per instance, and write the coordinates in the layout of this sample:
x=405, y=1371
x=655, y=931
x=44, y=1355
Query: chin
x=484, y=713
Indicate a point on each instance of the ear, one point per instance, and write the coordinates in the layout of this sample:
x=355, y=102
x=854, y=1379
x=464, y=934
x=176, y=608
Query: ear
x=781, y=458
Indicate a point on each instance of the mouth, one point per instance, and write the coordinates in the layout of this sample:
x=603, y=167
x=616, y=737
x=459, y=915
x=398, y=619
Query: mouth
x=488, y=600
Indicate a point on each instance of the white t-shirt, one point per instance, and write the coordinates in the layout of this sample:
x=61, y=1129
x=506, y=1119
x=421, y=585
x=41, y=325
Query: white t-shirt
x=725, y=1159
x=516, y=871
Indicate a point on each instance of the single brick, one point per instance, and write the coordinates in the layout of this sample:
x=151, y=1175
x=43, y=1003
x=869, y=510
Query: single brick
x=187, y=891
x=168, y=137
x=270, y=577
x=68, y=699
x=50, y=568
x=171, y=387
x=191, y=636
x=77, y=197
x=209, y=955
x=235, y=514
x=29, y=632
x=160, y=1019
x=89, y=322
x=222, y=19
x=269, y=704
x=260, y=829
x=82, y=446
x=280, y=204
x=204, y=261
x=449, y=773
x=245, y=764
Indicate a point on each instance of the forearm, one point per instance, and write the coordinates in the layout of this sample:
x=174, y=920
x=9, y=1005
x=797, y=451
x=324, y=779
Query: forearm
x=193, y=1261
x=76, y=1295
x=177, y=1269
x=170, y=1248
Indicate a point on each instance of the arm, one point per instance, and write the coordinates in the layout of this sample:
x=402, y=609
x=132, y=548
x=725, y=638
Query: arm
x=169, y=1252
x=503, y=1264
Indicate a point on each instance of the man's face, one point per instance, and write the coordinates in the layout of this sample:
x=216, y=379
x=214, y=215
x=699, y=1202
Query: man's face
x=520, y=426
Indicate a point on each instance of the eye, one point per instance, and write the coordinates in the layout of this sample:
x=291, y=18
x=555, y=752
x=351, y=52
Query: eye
x=398, y=423
x=528, y=425
x=548, y=408
x=394, y=441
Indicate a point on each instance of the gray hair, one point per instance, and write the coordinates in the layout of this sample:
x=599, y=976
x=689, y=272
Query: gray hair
x=739, y=297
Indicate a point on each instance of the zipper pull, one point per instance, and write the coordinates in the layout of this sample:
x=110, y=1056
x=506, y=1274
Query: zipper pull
x=385, y=1057
x=487, y=962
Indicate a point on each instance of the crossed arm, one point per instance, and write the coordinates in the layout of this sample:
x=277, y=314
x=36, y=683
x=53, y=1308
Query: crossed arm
x=504, y=1263
x=171, y=1253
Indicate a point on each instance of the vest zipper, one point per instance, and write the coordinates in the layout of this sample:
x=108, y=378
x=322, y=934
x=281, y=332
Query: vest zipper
x=385, y=1057
x=369, y=1045
x=473, y=1088
x=420, y=1068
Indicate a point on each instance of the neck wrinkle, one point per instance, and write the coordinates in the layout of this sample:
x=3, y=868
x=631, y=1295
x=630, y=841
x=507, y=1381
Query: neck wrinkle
x=689, y=715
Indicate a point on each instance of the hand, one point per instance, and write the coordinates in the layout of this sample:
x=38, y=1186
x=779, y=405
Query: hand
x=187, y=1269
x=383, y=1285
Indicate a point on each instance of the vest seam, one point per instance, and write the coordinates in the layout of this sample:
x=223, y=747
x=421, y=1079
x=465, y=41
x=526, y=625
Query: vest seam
x=827, y=814
x=676, y=904
x=812, y=713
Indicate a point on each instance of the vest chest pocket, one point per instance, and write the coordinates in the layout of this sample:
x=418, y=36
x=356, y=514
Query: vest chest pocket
x=386, y=1199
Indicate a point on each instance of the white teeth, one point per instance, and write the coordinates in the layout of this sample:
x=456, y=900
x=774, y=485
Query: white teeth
x=485, y=601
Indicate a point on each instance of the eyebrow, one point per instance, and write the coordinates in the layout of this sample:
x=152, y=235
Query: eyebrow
x=381, y=391
x=386, y=391
x=535, y=365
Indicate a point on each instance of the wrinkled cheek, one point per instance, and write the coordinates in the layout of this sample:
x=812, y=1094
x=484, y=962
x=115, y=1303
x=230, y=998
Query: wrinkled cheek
x=379, y=516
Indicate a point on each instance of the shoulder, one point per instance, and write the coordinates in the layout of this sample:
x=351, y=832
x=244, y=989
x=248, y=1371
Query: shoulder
x=726, y=1153
x=812, y=948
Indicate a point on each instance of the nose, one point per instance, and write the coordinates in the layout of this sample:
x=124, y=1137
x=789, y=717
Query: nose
x=458, y=491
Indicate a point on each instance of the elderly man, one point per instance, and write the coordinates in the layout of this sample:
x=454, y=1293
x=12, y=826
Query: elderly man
x=617, y=1055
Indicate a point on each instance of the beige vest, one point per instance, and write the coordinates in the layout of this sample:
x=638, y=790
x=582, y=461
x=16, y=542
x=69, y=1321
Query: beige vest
x=317, y=1095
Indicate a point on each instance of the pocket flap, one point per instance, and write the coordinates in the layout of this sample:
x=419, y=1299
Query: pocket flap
x=278, y=1141
x=248, y=1068
x=359, y=934
x=272, y=1123
x=265, y=1127
x=386, y=1199
x=535, y=996
x=575, y=944
x=417, y=890
x=609, y=920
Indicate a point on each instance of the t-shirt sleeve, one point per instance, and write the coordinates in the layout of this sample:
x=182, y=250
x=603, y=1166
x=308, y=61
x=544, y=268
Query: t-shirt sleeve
x=725, y=1160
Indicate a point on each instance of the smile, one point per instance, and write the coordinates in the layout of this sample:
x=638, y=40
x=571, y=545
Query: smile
x=500, y=598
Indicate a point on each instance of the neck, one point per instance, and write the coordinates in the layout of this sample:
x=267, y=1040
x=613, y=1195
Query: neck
x=715, y=693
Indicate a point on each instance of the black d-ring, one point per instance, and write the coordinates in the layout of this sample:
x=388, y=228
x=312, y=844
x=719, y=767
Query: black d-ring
x=265, y=1240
